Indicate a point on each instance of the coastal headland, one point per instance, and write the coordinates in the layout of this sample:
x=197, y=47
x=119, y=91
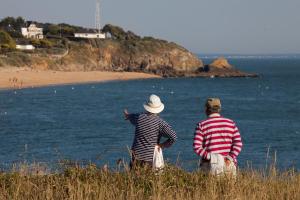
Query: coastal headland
x=59, y=57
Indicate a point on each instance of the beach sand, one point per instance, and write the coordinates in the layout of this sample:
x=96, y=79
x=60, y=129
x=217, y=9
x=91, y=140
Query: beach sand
x=18, y=78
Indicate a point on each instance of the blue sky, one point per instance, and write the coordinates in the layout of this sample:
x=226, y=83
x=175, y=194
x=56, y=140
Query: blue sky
x=202, y=26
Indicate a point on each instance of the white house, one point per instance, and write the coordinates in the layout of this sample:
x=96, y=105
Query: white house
x=90, y=35
x=32, y=32
x=25, y=47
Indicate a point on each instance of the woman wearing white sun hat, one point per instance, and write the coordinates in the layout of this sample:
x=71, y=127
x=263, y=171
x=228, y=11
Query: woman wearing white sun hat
x=150, y=128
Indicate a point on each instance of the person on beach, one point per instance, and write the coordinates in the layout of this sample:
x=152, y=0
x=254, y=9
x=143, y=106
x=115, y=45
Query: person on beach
x=149, y=129
x=217, y=140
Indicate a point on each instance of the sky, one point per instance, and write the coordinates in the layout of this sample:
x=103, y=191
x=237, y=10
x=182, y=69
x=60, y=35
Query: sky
x=202, y=26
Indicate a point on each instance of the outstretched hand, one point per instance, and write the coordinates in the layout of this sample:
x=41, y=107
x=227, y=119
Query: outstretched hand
x=126, y=114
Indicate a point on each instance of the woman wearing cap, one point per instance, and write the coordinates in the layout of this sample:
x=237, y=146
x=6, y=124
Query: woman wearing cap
x=148, y=132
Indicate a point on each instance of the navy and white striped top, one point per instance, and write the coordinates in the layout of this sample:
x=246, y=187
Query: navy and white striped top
x=149, y=130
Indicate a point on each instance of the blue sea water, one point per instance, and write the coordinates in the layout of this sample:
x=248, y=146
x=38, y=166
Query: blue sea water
x=85, y=123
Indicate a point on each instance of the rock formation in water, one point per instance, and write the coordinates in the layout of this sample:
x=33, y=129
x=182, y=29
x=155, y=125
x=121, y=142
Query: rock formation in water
x=220, y=67
x=220, y=63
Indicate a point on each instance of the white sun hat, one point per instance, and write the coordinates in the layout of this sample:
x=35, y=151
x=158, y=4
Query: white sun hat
x=154, y=105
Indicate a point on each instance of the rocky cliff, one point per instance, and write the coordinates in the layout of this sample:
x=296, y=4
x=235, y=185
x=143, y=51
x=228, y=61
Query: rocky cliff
x=138, y=54
x=123, y=51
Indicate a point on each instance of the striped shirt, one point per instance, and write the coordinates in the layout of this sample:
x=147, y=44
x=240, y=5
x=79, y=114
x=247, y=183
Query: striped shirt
x=217, y=135
x=149, y=130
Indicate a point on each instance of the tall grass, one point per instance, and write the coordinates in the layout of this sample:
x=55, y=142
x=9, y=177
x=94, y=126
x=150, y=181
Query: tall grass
x=90, y=182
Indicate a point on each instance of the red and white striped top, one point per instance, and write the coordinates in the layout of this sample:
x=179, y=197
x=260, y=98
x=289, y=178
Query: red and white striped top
x=217, y=135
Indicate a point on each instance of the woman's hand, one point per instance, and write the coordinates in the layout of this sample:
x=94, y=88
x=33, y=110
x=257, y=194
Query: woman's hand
x=126, y=114
x=159, y=147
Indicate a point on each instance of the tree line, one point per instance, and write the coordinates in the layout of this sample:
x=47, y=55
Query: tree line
x=10, y=32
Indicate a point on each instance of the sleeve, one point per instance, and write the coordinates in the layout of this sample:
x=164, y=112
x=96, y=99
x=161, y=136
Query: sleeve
x=198, y=143
x=167, y=132
x=133, y=118
x=236, y=144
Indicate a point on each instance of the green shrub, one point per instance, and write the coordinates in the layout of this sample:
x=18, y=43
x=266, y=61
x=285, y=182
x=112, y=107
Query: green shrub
x=45, y=43
x=6, y=41
x=13, y=26
x=53, y=29
x=18, y=58
x=35, y=42
x=67, y=30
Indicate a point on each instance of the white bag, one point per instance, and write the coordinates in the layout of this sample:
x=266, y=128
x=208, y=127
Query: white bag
x=158, y=159
x=217, y=164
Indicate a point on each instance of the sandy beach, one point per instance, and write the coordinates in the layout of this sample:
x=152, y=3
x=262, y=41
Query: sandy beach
x=17, y=78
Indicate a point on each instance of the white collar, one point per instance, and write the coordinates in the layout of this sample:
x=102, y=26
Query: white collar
x=214, y=115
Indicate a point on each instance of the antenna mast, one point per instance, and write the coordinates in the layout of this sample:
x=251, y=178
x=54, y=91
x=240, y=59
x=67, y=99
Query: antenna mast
x=97, y=16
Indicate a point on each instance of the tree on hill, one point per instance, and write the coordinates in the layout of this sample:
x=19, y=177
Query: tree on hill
x=62, y=29
x=13, y=27
x=68, y=30
x=6, y=42
x=115, y=31
x=11, y=24
x=44, y=43
x=119, y=33
x=52, y=29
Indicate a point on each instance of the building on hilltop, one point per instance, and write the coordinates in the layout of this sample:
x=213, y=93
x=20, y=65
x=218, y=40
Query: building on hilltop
x=24, y=44
x=25, y=47
x=90, y=35
x=95, y=34
x=32, y=32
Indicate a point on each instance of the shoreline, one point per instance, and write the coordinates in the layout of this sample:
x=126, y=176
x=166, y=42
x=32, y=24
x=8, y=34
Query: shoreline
x=24, y=77
x=20, y=78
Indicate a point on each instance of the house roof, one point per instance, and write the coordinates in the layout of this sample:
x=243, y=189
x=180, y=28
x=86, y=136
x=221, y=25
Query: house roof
x=88, y=31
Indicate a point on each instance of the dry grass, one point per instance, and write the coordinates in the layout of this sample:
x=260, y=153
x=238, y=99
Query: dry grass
x=91, y=182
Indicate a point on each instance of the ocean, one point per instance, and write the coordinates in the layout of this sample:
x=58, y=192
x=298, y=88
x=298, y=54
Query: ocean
x=84, y=123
